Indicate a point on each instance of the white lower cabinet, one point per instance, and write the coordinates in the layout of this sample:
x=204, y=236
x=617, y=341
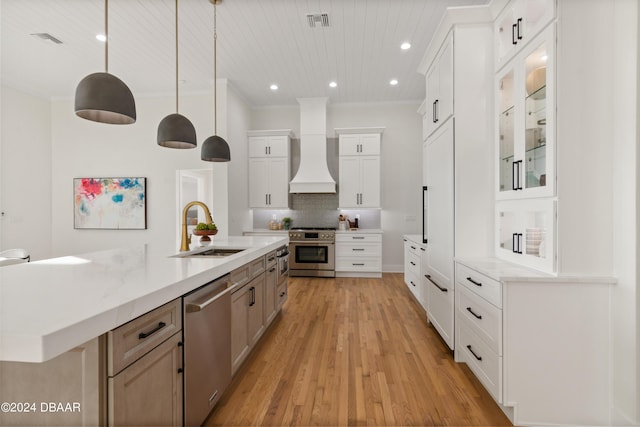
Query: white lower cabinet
x=358, y=254
x=414, y=254
x=538, y=343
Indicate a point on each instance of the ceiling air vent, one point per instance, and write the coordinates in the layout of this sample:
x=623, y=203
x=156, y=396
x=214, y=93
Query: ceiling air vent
x=47, y=37
x=321, y=19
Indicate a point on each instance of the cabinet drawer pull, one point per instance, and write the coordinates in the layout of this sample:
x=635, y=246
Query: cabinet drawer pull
x=413, y=247
x=477, y=316
x=518, y=22
x=423, y=249
x=358, y=237
x=358, y=249
x=213, y=396
x=272, y=269
x=282, y=294
x=253, y=296
x=474, y=353
x=358, y=264
x=435, y=284
x=143, y=335
x=411, y=281
x=474, y=282
x=412, y=263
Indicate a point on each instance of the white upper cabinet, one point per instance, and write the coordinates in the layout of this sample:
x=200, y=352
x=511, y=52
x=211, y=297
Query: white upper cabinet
x=525, y=105
x=439, y=101
x=269, y=169
x=359, y=168
x=269, y=146
x=518, y=23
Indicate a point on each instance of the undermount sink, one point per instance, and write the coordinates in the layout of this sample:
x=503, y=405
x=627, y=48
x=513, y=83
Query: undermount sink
x=211, y=253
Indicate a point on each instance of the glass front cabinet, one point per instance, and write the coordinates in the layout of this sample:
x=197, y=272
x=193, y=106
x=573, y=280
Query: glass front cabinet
x=525, y=121
x=526, y=232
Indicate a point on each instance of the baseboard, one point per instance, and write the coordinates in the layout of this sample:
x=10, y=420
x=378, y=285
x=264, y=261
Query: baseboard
x=393, y=268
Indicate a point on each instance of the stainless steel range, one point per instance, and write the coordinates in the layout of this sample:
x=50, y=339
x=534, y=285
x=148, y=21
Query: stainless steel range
x=312, y=252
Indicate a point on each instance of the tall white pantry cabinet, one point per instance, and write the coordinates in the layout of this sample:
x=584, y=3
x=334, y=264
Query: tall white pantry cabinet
x=457, y=154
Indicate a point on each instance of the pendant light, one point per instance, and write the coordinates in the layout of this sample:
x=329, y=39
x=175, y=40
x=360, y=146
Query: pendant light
x=175, y=130
x=102, y=97
x=215, y=148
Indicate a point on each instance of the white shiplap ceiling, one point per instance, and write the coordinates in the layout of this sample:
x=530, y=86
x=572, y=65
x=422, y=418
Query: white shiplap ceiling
x=260, y=42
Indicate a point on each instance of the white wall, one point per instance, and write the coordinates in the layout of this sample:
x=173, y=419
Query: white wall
x=25, y=173
x=625, y=139
x=239, y=116
x=81, y=148
x=401, y=161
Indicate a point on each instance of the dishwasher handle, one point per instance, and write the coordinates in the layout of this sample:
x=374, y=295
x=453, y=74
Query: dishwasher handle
x=195, y=307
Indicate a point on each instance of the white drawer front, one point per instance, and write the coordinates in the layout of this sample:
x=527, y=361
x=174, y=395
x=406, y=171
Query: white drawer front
x=485, y=318
x=358, y=237
x=483, y=285
x=358, y=249
x=358, y=264
x=484, y=363
x=440, y=310
x=413, y=264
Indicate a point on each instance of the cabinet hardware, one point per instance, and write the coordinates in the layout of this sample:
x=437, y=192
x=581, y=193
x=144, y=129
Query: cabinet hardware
x=519, y=243
x=266, y=199
x=435, y=284
x=180, y=370
x=360, y=237
x=413, y=247
x=433, y=112
x=361, y=264
x=513, y=34
x=412, y=263
x=358, y=249
x=411, y=281
x=477, y=316
x=253, y=296
x=180, y=344
x=282, y=294
x=423, y=249
x=213, y=396
x=474, y=353
x=272, y=270
x=436, y=110
x=519, y=21
x=474, y=282
x=514, y=245
x=143, y=335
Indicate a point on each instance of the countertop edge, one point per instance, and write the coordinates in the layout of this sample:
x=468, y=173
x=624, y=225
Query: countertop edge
x=23, y=346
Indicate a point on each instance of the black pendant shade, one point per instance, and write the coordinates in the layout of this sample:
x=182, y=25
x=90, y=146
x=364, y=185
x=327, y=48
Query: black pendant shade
x=102, y=97
x=215, y=149
x=176, y=131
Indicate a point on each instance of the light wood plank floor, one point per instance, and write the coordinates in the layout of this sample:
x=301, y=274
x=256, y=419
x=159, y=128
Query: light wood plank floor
x=353, y=352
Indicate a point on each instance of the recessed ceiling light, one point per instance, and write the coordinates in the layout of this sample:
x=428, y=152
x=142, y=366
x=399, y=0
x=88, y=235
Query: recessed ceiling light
x=333, y=84
x=101, y=37
x=393, y=82
x=405, y=45
x=273, y=87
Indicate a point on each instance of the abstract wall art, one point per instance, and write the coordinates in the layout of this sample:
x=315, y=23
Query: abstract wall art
x=110, y=203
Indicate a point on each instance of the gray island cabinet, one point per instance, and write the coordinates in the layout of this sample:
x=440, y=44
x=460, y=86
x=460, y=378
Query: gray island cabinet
x=100, y=341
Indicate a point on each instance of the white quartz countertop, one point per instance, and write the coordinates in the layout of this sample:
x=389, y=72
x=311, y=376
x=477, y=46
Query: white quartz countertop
x=49, y=307
x=507, y=272
x=416, y=238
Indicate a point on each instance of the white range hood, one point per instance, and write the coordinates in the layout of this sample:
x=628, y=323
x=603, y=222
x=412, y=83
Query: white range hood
x=313, y=174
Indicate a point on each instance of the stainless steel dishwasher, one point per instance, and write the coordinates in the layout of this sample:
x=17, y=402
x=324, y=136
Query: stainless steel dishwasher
x=207, y=348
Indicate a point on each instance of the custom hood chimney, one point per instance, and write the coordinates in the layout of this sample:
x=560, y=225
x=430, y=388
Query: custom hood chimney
x=313, y=174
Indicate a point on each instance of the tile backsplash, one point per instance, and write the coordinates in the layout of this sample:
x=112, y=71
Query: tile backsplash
x=315, y=210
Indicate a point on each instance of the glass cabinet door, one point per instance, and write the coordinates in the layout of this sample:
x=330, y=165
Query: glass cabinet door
x=525, y=122
x=526, y=233
x=535, y=120
x=507, y=131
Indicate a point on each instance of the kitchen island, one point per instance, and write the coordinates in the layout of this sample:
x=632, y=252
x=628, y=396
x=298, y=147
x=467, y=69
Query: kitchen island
x=56, y=313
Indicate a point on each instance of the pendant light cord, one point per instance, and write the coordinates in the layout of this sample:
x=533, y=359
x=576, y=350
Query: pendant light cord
x=177, y=56
x=215, y=82
x=106, y=35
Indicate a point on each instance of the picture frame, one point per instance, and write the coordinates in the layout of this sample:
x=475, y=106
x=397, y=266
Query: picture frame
x=114, y=203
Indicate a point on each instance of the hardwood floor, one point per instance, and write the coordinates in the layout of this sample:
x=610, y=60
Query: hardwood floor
x=353, y=352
